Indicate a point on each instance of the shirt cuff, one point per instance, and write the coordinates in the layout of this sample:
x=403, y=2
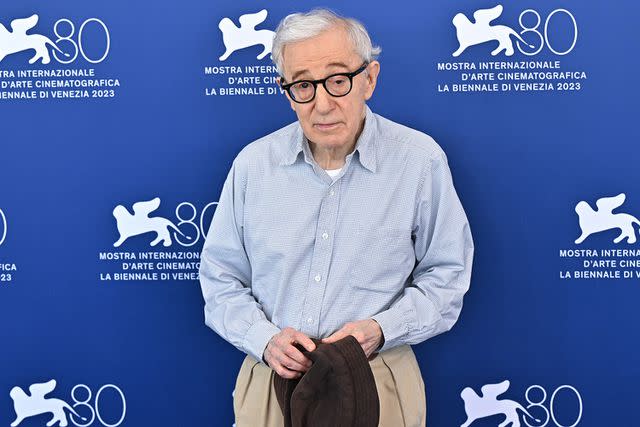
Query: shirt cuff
x=257, y=338
x=394, y=327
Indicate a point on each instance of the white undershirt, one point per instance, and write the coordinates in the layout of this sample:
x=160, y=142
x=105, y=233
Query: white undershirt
x=333, y=173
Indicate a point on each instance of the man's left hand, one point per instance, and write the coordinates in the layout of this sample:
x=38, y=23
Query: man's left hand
x=367, y=332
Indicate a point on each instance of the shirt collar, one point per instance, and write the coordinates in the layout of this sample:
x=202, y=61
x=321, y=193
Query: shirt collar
x=365, y=146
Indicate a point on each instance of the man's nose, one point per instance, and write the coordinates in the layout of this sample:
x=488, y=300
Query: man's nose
x=323, y=101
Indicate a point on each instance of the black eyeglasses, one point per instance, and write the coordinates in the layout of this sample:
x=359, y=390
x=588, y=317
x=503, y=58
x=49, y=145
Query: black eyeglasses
x=340, y=84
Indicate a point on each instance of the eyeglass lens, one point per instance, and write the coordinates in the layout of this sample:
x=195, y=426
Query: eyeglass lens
x=335, y=85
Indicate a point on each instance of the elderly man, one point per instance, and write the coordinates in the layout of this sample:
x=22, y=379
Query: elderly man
x=342, y=223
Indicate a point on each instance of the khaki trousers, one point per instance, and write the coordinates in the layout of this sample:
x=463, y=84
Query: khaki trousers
x=398, y=381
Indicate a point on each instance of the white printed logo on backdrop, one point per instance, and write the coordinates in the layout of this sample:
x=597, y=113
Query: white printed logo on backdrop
x=236, y=38
x=7, y=268
x=594, y=221
x=554, y=38
x=139, y=222
x=3, y=230
x=82, y=413
x=64, y=44
x=538, y=411
x=146, y=225
x=18, y=40
x=245, y=67
x=471, y=34
x=597, y=262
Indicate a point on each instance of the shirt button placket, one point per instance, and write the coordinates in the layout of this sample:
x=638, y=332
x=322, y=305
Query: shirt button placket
x=320, y=262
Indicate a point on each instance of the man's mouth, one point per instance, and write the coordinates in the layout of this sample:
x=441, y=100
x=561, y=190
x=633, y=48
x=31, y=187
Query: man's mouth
x=326, y=126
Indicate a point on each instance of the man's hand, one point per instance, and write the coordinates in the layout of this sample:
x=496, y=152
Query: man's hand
x=281, y=355
x=367, y=332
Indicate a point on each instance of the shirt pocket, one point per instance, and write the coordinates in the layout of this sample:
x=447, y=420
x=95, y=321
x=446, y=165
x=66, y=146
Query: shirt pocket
x=384, y=260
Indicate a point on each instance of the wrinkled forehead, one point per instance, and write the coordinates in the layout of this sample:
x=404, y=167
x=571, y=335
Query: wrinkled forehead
x=330, y=50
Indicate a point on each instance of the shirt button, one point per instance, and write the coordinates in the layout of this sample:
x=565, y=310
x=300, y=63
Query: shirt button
x=331, y=193
x=318, y=278
x=325, y=236
x=309, y=320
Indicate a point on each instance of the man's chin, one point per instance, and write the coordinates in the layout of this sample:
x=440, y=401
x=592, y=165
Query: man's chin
x=329, y=141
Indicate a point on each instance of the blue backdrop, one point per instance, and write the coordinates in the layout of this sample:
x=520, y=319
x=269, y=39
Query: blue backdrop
x=136, y=105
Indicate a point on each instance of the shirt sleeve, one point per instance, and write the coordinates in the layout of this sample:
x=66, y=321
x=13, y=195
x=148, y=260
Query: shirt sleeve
x=443, y=246
x=225, y=274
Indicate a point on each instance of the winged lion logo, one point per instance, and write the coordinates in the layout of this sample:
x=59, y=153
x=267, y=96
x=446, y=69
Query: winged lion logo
x=488, y=405
x=17, y=40
x=473, y=33
x=36, y=404
x=593, y=221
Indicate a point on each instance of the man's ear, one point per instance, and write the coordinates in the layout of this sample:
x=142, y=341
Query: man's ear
x=279, y=80
x=373, y=69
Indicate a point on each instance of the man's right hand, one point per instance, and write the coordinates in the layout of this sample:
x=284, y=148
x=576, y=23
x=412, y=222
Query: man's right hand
x=284, y=358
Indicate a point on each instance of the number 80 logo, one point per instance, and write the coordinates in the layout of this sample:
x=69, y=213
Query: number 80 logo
x=94, y=410
x=65, y=36
x=187, y=217
x=544, y=36
x=550, y=412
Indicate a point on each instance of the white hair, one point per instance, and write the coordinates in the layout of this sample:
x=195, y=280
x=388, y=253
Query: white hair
x=297, y=27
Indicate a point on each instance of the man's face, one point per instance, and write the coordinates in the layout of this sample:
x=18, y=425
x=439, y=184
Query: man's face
x=328, y=121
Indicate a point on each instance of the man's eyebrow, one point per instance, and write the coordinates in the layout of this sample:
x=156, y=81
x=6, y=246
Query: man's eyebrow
x=331, y=64
x=298, y=73
x=338, y=64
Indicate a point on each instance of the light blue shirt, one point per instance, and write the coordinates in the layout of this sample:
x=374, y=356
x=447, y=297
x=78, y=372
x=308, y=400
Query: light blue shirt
x=288, y=246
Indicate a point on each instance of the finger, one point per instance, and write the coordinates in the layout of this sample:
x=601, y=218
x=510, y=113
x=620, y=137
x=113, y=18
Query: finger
x=282, y=355
x=281, y=360
x=338, y=335
x=367, y=351
x=297, y=362
x=306, y=342
x=296, y=355
x=284, y=372
x=294, y=366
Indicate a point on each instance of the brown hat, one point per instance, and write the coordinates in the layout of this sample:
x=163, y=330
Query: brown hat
x=337, y=391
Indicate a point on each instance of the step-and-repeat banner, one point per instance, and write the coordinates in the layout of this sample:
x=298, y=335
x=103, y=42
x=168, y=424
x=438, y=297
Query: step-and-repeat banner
x=118, y=124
